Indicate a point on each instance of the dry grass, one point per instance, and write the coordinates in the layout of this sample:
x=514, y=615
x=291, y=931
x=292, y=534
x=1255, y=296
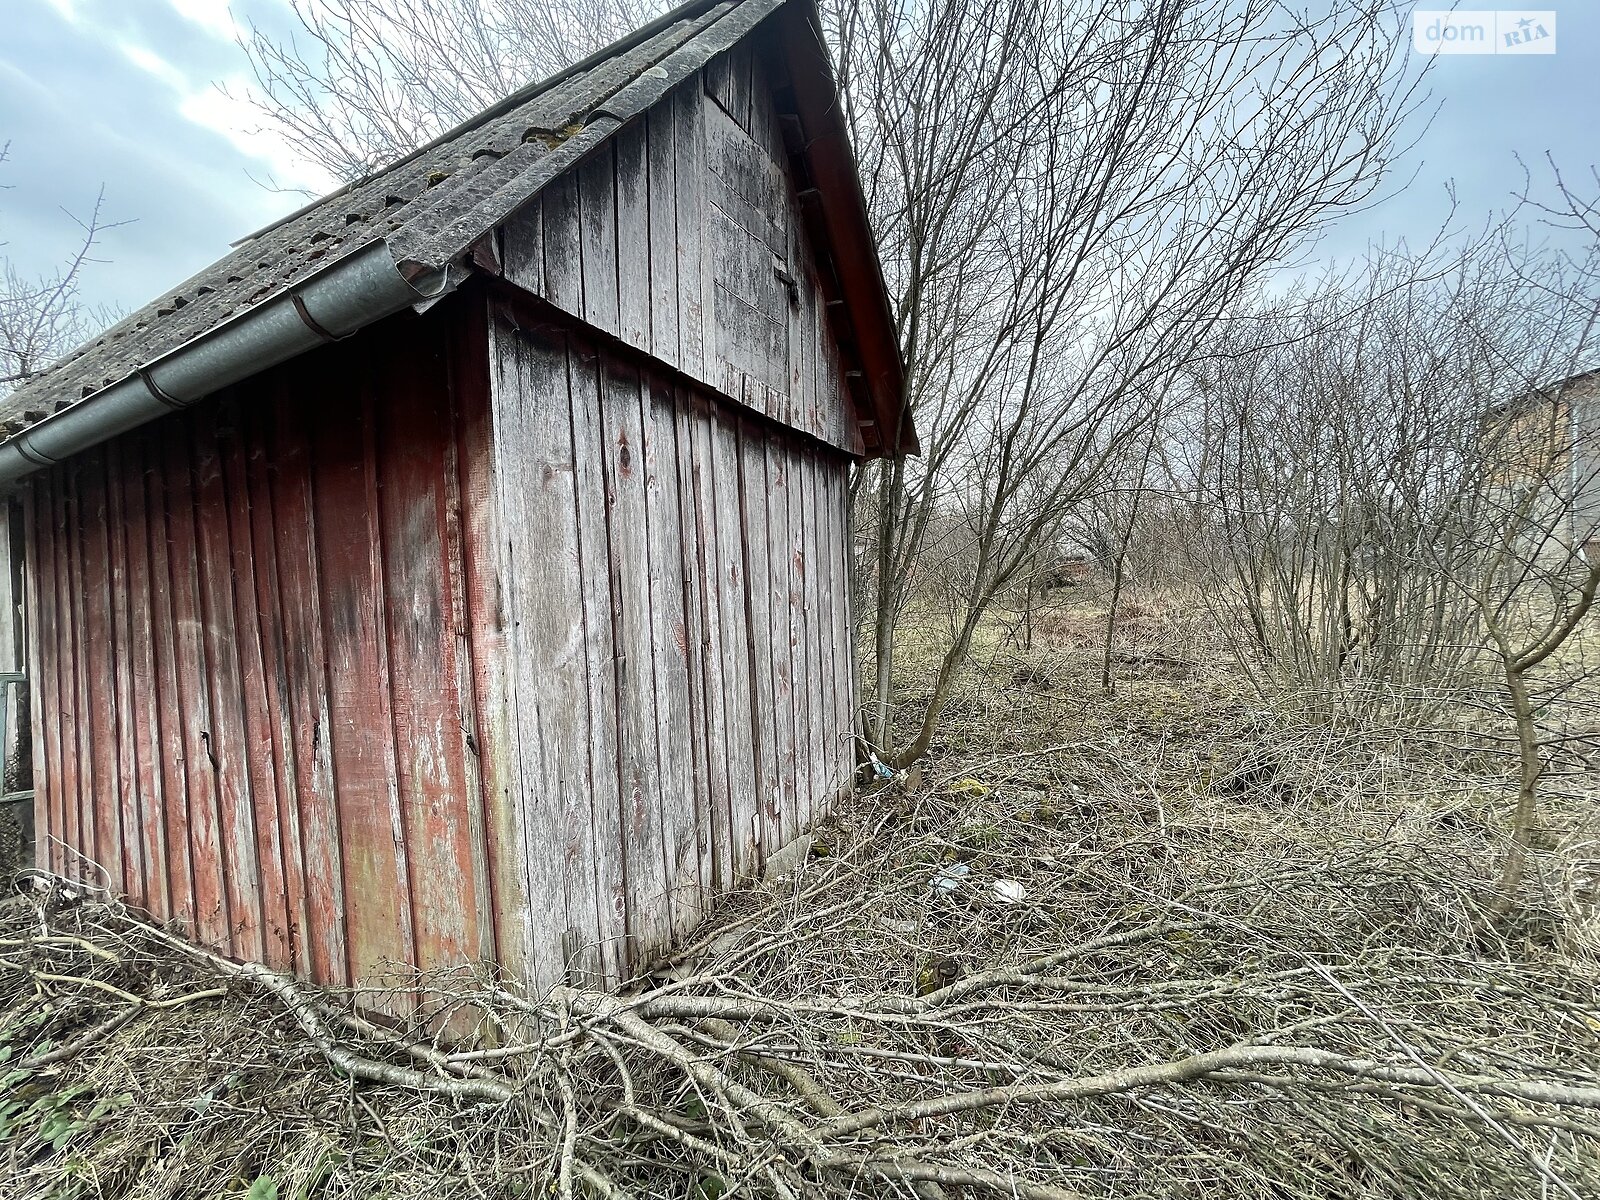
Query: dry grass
x=1292, y=916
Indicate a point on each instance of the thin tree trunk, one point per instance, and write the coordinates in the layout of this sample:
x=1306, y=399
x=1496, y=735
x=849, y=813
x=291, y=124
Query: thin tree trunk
x=954, y=657
x=1111, y=616
x=1531, y=766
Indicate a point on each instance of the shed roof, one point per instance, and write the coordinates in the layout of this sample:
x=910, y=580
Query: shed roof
x=427, y=212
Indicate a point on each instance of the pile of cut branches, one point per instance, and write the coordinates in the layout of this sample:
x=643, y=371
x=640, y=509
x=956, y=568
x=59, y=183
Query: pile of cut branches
x=1008, y=983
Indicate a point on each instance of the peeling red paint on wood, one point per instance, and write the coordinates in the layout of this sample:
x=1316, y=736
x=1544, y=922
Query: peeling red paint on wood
x=251, y=615
x=495, y=643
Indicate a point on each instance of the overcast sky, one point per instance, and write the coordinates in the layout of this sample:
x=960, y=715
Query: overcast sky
x=123, y=94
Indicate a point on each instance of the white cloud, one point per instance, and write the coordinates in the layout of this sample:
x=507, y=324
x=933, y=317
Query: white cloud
x=66, y=9
x=149, y=61
x=237, y=121
x=214, y=16
x=218, y=109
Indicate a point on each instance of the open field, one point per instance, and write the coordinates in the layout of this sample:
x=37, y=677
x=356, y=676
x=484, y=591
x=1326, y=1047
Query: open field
x=1166, y=943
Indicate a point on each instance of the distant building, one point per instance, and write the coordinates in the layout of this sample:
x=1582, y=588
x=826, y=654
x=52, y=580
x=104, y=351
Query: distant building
x=1550, y=448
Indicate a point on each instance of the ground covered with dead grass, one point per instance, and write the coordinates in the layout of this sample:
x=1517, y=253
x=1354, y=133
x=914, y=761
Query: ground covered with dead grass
x=1170, y=943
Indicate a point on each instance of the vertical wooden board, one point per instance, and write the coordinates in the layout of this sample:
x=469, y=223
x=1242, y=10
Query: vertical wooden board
x=597, y=231
x=596, y=815
x=835, y=643
x=142, y=706
x=547, y=675
x=522, y=248
x=33, y=594
x=738, y=99
x=747, y=242
x=819, y=652
x=486, y=362
x=44, y=660
x=11, y=631
x=69, y=587
x=377, y=893
x=716, y=77
x=694, y=280
x=419, y=603
x=260, y=760
x=84, y=854
x=713, y=659
x=764, y=121
x=95, y=719
x=822, y=345
x=65, y=684
x=843, y=622
x=15, y=731
x=662, y=193
x=821, y=577
x=779, y=566
x=117, y=700
x=634, y=263
x=259, y=535
x=466, y=416
x=306, y=688
x=743, y=781
x=758, y=603
x=168, y=719
x=212, y=916
x=225, y=738
x=563, y=261
x=800, y=327
x=819, y=340
x=373, y=412
x=691, y=554
x=670, y=640
x=831, y=393
x=632, y=602
x=39, y=599
x=799, y=637
x=836, y=413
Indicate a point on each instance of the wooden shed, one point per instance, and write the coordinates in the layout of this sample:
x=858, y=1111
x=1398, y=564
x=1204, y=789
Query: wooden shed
x=458, y=570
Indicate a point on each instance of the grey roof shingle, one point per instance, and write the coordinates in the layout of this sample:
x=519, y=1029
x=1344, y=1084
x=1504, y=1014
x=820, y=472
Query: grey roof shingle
x=429, y=208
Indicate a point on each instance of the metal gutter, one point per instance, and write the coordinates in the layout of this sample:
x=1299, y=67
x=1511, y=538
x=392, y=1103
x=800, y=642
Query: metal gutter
x=349, y=295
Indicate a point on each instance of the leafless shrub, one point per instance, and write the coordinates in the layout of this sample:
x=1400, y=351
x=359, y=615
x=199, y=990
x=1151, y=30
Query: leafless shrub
x=43, y=317
x=1186, y=989
x=1119, y=178
x=1393, y=485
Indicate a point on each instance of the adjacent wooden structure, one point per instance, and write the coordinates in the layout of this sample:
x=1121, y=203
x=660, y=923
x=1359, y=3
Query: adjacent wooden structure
x=509, y=631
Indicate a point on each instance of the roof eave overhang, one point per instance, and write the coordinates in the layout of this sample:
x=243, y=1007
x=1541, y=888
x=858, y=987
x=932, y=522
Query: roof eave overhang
x=343, y=298
x=832, y=163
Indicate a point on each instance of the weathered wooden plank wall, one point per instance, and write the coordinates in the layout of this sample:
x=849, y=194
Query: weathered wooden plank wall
x=510, y=637
x=679, y=641
x=685, y=237
x=260, y=642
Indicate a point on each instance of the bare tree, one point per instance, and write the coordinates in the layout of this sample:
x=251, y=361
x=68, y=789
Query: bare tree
x=1319, y=444
x=1119, y=178
x=367, y=81
x=1532, y=521
x=1394, y=481
x=42, y=317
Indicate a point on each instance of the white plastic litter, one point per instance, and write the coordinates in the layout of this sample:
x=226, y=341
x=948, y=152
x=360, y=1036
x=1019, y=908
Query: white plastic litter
x=1009, y=891
x=948, y=877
